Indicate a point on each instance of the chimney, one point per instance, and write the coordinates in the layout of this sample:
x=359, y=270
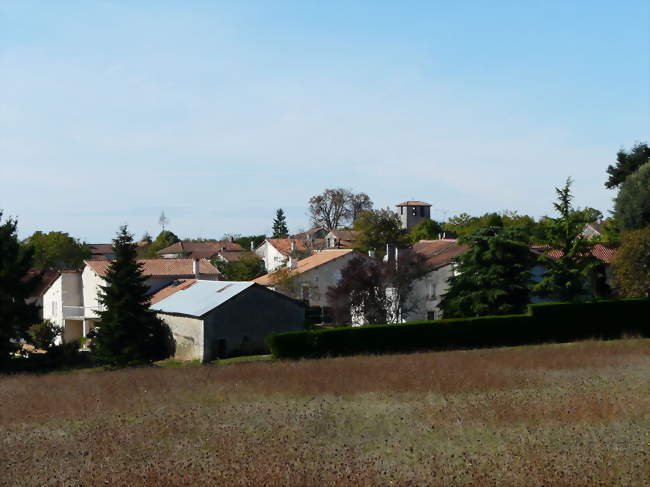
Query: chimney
x=292, y=264
x=196, y=268
x=293, y=246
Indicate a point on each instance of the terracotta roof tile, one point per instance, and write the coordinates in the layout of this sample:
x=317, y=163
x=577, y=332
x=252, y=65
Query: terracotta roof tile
x=200, y=249
x=413, y=203
x=601, y=252
x=160, y=267
x=439, y=252
x=283, y=245
x=309, y=263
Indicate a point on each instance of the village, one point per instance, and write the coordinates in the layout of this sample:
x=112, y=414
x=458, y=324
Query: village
x=211, y=317
x=278, y=243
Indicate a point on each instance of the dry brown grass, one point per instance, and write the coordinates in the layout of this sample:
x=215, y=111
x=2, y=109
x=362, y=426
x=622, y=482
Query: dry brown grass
x=559, y=415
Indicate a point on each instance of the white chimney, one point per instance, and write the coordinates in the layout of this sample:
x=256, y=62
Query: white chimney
x=292, y=264
x=196, y=268
x=293, y=246
x=252, y=246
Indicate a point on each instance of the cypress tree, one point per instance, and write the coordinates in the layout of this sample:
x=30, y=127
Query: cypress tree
x=129, y=332
x=566, y=277
x=16, y=315
x=280, y=229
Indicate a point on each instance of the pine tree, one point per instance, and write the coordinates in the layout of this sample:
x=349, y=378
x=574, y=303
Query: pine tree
x=128, y=332
x=493, y=277
x=16, y=315
x=280, y=229
x=566, y=276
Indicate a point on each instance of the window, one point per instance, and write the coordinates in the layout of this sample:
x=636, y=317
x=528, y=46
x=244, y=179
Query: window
x=305, y=292
x=53, y=308
x=431, y=315
x=431, y=290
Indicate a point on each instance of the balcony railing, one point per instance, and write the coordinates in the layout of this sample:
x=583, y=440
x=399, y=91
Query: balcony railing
x=71, y=312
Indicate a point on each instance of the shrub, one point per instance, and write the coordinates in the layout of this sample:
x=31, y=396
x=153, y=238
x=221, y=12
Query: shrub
x=43, y=334
x=548, y=322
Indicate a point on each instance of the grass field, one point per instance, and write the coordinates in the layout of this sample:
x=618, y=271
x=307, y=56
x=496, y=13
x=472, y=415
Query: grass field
x=555, y=415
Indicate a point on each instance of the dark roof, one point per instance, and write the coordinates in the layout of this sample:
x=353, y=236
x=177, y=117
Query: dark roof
x=100, y=249
x=47, y=277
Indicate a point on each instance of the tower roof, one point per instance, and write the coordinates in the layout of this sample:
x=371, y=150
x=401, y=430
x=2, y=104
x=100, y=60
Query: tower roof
x=413, y=203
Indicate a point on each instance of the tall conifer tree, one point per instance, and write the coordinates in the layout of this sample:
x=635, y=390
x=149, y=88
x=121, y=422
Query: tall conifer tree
x=566, y=277
x=16, y=315
x=280, y=229
x=129, y=332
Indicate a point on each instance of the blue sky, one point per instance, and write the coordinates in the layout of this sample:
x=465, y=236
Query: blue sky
x=219, y=113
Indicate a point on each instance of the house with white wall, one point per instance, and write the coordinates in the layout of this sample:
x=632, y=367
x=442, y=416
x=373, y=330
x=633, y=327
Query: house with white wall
x=275, y=252
x=72, y=300
x=427, y=292
x=309, y=279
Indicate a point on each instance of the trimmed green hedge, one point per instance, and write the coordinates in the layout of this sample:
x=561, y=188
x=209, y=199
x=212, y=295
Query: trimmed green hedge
x=547, y=322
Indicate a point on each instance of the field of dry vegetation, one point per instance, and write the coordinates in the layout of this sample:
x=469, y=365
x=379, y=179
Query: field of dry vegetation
x=555, y=415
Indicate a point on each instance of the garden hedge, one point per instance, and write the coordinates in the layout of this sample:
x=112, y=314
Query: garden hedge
x=543, y=323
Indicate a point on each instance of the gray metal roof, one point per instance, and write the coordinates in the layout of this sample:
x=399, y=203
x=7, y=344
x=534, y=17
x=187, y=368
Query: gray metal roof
x=201, y=297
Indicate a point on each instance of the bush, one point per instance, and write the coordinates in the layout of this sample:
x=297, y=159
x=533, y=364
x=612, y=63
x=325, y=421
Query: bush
x=43, y=334
x=548, y=322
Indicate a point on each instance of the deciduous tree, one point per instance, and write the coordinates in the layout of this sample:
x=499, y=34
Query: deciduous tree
x=373, y=290
x=427, y=229
x=378, y=228
x=627, y=163
x=337, y=207
x=56, y=250
x=632, y=207
x=631, y=266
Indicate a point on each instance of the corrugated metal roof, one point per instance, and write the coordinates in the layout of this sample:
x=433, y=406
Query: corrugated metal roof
x=201, y=297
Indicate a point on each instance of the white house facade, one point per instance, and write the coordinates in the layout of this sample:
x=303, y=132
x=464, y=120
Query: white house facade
x=72, y=301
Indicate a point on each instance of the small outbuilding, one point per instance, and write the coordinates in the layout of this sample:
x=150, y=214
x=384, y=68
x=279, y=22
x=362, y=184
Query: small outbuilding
x=216, y=319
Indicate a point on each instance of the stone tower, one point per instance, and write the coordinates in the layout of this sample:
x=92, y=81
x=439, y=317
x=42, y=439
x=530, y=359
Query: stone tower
x=413, y=212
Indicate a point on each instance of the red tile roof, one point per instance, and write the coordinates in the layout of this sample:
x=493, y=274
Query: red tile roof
x=283, y=245
x=439, y=252
x=601, y=252
x=413, y=203
x=200, y=249
x=160, y=267
x=309, y=263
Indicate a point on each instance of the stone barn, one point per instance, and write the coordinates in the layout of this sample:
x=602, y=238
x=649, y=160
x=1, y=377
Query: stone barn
x=216, y=319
